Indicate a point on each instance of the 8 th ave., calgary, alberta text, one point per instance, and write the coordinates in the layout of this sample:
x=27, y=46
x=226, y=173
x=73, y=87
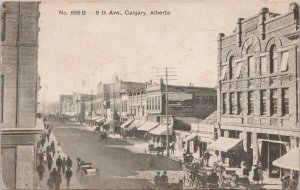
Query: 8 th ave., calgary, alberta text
x=115, y=13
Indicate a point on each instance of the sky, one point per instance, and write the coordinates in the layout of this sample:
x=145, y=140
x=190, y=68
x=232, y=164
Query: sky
x=93, y=48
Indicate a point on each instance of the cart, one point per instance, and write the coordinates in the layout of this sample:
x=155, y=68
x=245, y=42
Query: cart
x=85, y=168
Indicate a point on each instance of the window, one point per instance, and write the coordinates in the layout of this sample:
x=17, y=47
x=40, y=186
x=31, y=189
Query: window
x=224, y=71
x=156, y=97
x=3, y=22
x=263, y=65
x=285, y=101
x=251, y=66
x=153, y=103
x=224, y=103
x=231, y=67
x=284, y=61
x=274, y=102
x=148, y=103
x=250, y=102
x=158, y=102
x=273, y=60
x=239, y=103
x=263, y=102
x=238, y=70
x=232, y=103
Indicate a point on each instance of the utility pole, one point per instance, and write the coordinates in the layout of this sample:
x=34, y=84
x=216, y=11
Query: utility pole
x=113, y=116
x=92, y=106
x=167, y=101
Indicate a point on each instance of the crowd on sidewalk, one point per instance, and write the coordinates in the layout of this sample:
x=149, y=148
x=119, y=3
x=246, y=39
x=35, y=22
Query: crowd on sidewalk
x=49, y=152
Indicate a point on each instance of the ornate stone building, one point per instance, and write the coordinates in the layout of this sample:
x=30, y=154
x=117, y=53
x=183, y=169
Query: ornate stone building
x=19, y=87
x=258, y=70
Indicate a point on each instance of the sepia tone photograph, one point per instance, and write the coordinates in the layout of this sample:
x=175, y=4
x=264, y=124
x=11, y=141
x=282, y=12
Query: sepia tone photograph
x=150, y=94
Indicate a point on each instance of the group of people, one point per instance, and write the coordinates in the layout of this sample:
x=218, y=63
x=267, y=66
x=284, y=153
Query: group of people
x=290, y=182
x=161, y=180
x=46, y=156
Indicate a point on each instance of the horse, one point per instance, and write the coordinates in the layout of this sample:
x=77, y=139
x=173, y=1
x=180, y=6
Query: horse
x=160, y=150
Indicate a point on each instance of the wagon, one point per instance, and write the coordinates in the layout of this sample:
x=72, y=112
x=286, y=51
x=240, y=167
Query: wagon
x=85, y=168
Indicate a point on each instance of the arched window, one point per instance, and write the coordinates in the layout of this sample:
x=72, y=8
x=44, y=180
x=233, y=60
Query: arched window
x=273, y=59
x=231, y=67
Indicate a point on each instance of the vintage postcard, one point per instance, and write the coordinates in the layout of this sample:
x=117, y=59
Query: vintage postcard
x=150, y=94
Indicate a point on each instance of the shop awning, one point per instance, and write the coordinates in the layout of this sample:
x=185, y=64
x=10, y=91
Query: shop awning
x=135, y=124
x=126, y=123
x=101, y=119
x=147, y=126
x=162, y=130
x=289, y=161
x=190, y=137
x=225, y=144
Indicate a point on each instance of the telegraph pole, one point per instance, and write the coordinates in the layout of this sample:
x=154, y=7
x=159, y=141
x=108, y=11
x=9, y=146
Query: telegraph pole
x=92, y=106
x=167, y=102
x=113, y=116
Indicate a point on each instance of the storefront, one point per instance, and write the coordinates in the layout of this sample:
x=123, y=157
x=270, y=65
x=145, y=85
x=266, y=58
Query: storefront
x=230, y=150
x=289, y=162
x=144, y=129
x=270, y=148
x=132, y=128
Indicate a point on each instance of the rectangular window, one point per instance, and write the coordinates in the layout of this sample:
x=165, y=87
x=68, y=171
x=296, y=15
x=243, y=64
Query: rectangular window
x=263, y=102
x=153, y=103
x=250, y=102
x=263, y=65
x=224, y=103
x=158, y=102
x=156, y=97
x=239, y=103
x=285, y=102
x=3, y=24
x=274, y=102
x=251, y=66
x=232, y=103
x=284, y=61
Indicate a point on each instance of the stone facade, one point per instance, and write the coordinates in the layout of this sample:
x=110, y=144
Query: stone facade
x=19, y=88
x=66, y=104
x=257, y=82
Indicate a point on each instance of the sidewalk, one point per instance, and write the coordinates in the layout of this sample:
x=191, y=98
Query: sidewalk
x=74, y=182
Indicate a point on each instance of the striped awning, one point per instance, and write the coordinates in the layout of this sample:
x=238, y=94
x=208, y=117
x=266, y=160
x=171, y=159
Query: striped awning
x=147, y=126
x=126, y=123
x=161, y=130
x=135, y=124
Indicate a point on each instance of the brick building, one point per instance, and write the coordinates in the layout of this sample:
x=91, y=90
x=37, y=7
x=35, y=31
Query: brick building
x=258, y=70
x=19, y=87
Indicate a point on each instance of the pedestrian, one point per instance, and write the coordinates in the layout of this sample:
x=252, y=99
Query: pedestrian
x=260, y=174
x=157, y=179
x=56, y=178
x=59, y=163
x=285, y=182
x=48, y=135
x=63, y=165
x=53, y=148
x=294, y=182
x=172, y=148
x=49, y=161
x=207, y=157
x=50, y=182
x=48, y=149
x=255, y=174
x=43, y=140
x=41, y=157
x=41, y=170
x=58, y=147
x=164, y=179
x=245, y=170
x=68, y=176
x=45, y=157
x=69, y=162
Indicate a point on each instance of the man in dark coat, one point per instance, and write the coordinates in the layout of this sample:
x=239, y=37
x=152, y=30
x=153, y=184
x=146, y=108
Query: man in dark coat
x=49, y=161
x=41, y=157
x=63, y=165
x=41, y=170
x=68, y=176
x=48, y=135
x=56, y=178
x=59, y=163
x=69, y=162
x=53, y=148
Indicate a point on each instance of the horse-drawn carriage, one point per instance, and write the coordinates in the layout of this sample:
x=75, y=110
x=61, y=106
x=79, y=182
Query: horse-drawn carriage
x=85, y=168
x=158, y=150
